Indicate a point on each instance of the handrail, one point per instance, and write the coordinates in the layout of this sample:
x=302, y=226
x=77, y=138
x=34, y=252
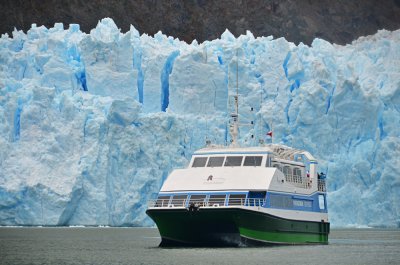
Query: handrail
x=305, y=183
x=255, y=202
x=322, y=185
x=298, y=181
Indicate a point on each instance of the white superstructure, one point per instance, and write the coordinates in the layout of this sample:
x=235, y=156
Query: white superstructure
x=271, y=167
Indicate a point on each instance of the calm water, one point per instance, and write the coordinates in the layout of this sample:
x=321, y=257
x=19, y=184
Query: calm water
x=139, y=246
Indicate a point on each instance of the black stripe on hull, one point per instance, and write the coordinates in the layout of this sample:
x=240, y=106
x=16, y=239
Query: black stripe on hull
x=233, y=227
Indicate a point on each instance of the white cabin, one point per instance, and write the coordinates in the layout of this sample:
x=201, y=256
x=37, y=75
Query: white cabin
x=271, y=167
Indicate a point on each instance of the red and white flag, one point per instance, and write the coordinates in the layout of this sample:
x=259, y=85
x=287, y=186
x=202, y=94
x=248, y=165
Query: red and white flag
x=269, y=133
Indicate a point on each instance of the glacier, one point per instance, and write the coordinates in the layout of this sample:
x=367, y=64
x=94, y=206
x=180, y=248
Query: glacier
x=92, y=124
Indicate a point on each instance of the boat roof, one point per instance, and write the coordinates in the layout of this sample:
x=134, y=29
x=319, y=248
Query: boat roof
x=235, y=150
x=278, y=150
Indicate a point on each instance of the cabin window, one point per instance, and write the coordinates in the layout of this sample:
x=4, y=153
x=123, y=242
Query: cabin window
x=199, y=162
x=233, y=161
x=302, y=203
x=254, y=161
x=269, y=161
x=216, y=161
x=179, y=200
x=277, y=166
x=287, y=171
x=217, y=200
x=321, y=201
x=280, y=201
x=237, y=199
x=197, y=199
x=297, y=174
x=162, y=201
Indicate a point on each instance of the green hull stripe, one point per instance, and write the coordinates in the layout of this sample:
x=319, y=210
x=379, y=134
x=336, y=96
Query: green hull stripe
x=283, y=237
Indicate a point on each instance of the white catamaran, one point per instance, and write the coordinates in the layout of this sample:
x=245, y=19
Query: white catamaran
x=233, y=195
x=230, y=196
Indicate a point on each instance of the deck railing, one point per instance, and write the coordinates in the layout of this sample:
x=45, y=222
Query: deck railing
x=206, y=203
x=298, y=181
x=322, y=185
x=305, y=183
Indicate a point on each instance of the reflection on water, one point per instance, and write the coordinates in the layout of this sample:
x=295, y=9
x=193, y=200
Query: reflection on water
x=140, y=246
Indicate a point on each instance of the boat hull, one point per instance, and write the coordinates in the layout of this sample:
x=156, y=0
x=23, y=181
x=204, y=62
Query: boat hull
x=233, y=227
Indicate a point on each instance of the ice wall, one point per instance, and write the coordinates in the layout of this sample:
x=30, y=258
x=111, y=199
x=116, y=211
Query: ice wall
x=91, y=124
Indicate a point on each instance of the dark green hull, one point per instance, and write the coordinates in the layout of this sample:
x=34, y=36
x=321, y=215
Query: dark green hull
x=233, y=227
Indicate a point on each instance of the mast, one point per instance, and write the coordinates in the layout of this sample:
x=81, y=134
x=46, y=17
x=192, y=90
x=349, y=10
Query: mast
x=260, y=138
x=234, y=127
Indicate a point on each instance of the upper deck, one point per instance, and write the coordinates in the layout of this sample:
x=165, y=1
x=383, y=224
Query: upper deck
x=253, y=168
x=234, y=150
x=279, y=152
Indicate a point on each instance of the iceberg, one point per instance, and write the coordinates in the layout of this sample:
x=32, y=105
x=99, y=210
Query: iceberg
x=92, y=124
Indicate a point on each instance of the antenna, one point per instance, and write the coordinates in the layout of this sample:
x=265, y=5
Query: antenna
x=260, y=136
x=208, y=141
x=234, y=127
x=206, y=131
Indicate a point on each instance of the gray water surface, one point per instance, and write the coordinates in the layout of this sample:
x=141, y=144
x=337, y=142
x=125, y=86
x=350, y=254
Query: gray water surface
x=140, y=246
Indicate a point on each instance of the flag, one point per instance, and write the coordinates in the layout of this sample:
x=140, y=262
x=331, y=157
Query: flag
x=269, y=133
